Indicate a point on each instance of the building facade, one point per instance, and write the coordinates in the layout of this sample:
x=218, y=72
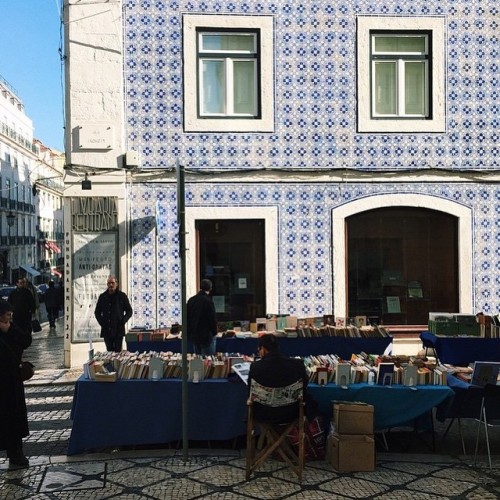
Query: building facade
x=24, y=160
x=340, y=158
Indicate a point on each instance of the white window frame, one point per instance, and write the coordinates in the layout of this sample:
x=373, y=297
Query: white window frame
x=400, y=59
x=264, y=122
x=228, y=58
x=435, y=119
x=268, y=214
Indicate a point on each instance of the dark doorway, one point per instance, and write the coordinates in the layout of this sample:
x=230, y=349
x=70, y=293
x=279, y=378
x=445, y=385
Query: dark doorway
x=232, y=255
x=402, y=264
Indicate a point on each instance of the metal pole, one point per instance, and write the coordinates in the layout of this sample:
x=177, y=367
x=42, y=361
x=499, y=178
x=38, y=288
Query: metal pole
x=181, y=220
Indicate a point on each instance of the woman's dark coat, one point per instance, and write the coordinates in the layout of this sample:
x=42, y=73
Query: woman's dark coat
x=13, y=413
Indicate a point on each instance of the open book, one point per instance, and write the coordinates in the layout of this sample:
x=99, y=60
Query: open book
x=242, y=370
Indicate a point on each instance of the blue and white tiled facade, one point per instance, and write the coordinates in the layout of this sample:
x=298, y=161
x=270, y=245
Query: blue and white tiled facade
x=315, y=110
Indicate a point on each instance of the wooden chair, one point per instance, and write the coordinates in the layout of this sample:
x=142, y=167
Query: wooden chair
x=273, y=438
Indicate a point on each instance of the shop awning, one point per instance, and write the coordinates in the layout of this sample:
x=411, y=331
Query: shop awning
x=30, y=270
x=55, y=272
x=53, y=247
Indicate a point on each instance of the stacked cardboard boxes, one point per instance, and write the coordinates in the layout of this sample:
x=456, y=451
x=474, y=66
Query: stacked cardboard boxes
x=351, y=448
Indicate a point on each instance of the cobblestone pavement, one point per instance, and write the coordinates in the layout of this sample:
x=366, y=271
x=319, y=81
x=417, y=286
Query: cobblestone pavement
x=409, y=470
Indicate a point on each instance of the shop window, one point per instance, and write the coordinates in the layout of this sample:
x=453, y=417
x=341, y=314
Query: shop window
x=402, y=264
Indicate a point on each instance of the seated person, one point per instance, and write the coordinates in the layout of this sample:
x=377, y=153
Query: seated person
x=275, y=370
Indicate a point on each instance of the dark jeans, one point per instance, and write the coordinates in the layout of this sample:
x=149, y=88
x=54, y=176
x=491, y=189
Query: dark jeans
x=114, y=344
x=52, y=315
x=205, y=350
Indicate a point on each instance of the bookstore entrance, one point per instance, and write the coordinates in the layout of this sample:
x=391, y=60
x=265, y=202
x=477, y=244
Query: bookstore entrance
x=231, y=253
x=402, y=264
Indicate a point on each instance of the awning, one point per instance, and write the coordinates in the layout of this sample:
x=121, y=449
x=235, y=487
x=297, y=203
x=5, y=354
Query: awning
x=53, y=247
x=30, y=270
x=55, y=272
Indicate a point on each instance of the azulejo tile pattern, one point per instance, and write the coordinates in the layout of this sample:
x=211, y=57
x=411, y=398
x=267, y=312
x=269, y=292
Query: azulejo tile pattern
x=305, y=230
x=315, y=88
x=315, y=128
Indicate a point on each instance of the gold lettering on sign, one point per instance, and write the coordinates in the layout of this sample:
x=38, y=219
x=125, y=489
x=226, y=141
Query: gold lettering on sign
x=93, y=215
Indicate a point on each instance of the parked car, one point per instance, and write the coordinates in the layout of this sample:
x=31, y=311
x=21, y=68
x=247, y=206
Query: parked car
x=5, y=291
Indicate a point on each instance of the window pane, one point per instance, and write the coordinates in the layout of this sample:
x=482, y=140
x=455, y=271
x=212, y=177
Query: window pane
x=213, y=87
x=415, y=88
x=235, y=42
x=385, y=89
x=393, y=44
x=244, y=87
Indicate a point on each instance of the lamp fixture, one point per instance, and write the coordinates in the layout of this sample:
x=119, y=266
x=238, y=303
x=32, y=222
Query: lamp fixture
x=86, y=183
x=11, y=217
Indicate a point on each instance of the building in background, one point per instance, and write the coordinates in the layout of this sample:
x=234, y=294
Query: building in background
x=47, y=183
x=30, y=196
x=341, y=158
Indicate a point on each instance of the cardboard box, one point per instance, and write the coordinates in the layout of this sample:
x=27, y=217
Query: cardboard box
x=353, y=418
x=351, y=453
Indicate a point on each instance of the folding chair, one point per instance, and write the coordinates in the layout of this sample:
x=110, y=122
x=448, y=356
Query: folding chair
x=266, y=406
x=491, y=397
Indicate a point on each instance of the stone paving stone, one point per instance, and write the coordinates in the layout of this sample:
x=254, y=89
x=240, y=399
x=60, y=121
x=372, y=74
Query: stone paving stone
x=354, y=487
x=83, y=476
x=440, y=486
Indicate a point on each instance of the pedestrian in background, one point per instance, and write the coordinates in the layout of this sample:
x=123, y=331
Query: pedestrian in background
x=202, y=320
x=52, y=303
x=34, y=292
x=23, y=305
x=112, y=311
x=13, y=413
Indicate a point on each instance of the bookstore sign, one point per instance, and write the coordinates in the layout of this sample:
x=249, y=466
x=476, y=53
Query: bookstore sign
x=94, y=224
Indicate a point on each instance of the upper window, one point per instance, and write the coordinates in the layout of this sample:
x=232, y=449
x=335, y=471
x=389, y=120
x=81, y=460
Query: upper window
x=401, y=84
x=400, y=75
x=228, y=73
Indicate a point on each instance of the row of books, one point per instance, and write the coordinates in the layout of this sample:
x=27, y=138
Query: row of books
x=381, y=370
x=157, y=365
x=304, y=331
x=455, y=324
x=339, y=331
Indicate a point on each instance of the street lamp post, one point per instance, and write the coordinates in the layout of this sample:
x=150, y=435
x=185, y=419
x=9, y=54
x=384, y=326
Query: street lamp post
x=11, y=217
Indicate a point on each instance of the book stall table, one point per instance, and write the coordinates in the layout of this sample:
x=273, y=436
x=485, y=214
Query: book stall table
x=142, y=412
x=303, y=346
x=146, y=412
x=462, y=350
x=394, y=406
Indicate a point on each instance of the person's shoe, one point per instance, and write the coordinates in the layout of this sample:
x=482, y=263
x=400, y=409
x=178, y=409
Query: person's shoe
x=18, y=462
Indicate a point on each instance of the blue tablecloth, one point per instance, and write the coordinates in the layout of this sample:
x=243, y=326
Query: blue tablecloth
x=134, y=412
x=142, y=412
x=394, y=405
x=462, y=350
x=343, y=346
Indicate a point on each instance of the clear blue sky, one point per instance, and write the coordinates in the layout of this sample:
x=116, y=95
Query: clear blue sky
x=30, y=62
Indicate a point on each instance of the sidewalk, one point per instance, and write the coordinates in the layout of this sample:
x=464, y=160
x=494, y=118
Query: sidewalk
x=220, y=473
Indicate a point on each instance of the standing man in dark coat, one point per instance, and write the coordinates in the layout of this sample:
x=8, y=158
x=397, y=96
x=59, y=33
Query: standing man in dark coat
x=23, y=304
x=13, y=413
x=202, y=320
x=112, y=311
